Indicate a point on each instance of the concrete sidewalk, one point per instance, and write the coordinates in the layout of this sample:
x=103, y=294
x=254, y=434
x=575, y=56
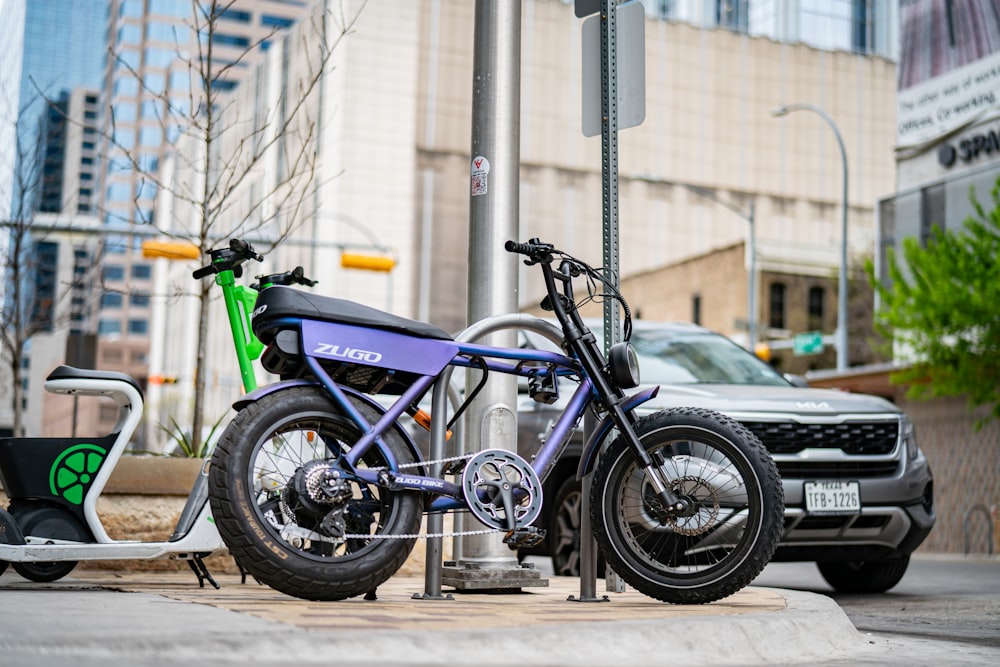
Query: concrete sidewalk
x=103, y=618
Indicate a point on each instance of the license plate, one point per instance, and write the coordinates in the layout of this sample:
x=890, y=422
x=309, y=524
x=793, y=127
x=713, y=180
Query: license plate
x=834, y=497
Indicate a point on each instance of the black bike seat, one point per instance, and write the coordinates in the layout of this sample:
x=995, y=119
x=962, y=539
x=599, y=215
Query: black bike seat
x=278, y=302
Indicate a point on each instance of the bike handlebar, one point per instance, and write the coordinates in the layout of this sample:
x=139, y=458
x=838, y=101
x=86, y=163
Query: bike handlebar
x=535, y=250
x=294, y=277
x=229, y=259
x=244, y=248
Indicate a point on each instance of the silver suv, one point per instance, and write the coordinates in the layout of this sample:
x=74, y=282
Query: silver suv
x=858, y=490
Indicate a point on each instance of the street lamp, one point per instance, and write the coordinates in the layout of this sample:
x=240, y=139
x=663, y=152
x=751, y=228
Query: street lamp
x=841, y=336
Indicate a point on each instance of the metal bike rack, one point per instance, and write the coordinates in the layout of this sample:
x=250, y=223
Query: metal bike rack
x=979, y=507
x=433, y=573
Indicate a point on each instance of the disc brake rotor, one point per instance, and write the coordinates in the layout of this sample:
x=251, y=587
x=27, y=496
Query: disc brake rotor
x=704, y=511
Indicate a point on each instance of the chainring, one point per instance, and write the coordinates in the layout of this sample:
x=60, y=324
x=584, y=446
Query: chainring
x=491, y=474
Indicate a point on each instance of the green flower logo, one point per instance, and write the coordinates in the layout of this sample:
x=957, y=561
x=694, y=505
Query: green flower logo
x=74, y=470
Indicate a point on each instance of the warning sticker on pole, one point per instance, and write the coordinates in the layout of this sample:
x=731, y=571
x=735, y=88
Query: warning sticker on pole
x=480, y=170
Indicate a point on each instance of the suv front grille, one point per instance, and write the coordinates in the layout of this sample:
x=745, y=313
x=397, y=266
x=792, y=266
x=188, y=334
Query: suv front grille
x=853, y=438
x=836, y=469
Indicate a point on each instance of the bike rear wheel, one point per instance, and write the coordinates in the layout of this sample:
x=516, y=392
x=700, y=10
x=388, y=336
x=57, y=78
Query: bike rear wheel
x=258, y=485
x=736, y=515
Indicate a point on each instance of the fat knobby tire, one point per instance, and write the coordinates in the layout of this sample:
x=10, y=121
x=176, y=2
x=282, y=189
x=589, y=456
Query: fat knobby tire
x=257, y=546
x=641, y=563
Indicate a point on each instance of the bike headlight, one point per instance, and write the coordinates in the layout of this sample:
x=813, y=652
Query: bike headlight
x=909, y=435
x=624, y=365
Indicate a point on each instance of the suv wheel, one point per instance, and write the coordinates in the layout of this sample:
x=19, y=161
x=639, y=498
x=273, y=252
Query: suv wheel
x=564, y=530
x=875, y=576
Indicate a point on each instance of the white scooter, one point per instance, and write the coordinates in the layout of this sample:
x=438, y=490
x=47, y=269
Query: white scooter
x=54, y=483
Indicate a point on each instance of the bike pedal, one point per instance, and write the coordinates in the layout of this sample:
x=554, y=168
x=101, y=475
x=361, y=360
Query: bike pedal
x=454, y=468
x=529, y=536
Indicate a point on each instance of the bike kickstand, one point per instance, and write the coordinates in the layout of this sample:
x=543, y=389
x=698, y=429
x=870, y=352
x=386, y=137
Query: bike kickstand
x=201, y=571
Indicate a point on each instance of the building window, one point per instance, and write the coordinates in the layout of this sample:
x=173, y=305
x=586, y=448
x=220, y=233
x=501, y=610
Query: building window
x=109, y=327
x=111, y=300
x=140, y=300
x=170, y=8
x=932, y=211
x=142, y=271
x=817, y=299
x=732, y=14
x=221, y=39
x=696, y=309
x=140, y=327
x=776, y=314
x=231, y=14
x=275, y=21
x=114, y=272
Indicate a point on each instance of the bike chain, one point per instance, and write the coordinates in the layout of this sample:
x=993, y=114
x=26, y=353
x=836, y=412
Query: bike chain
x=412, y=536
x=421, y=536
x=461, y=457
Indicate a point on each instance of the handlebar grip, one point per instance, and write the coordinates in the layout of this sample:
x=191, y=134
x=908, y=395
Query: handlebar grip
x=203, y=271
x=519, y=248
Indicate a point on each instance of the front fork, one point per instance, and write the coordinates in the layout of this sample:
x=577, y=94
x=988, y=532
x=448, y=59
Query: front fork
x=673, y=504
x=620, y=416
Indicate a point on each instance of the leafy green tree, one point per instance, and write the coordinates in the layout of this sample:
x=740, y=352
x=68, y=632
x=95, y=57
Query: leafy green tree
x=941, y=308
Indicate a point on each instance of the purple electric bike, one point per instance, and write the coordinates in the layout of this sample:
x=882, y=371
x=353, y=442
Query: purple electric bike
x=318, y=489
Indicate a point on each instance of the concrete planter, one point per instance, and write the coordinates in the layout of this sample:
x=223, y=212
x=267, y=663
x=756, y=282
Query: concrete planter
x=153, y=476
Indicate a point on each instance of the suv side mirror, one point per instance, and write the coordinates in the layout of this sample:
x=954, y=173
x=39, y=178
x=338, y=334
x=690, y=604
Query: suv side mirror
x=796, y=380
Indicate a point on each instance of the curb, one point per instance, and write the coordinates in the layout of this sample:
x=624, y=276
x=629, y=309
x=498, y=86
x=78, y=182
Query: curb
x=162, y=623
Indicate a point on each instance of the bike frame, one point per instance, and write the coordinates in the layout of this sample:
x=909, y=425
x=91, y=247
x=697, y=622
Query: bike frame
x=429, y=358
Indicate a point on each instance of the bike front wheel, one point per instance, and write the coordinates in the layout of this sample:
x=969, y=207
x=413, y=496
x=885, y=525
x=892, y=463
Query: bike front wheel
x=264, y=487
x=728, y=534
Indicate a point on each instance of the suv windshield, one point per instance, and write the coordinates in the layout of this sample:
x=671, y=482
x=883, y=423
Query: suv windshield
x=667, y=357
x=678, y=354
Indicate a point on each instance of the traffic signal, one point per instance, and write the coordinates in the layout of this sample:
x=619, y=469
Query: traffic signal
x=353, y=260
x=763, y=351
x=170, y=250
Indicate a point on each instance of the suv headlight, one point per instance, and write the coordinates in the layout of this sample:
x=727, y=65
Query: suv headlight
x=909, y=435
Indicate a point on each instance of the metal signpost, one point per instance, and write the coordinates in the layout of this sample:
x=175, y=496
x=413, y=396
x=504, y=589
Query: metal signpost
x=622, y=61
